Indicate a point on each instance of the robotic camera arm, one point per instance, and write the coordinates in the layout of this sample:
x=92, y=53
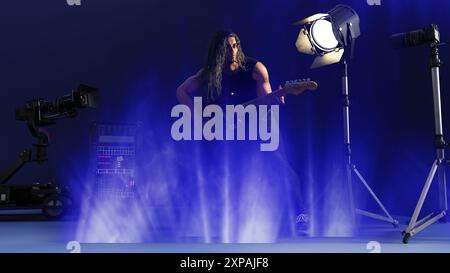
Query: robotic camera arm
x=40, y=113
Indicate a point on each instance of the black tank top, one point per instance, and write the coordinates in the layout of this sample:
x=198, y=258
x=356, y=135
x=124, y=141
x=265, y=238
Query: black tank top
x=237, y=87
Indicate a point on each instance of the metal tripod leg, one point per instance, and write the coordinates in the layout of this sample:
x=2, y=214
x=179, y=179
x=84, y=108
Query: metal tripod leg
x=348, y=170
x=442, y=191
x=414, y=225
x=388, y=217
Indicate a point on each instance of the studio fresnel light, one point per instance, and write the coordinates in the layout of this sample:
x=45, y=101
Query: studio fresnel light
x=328, y=35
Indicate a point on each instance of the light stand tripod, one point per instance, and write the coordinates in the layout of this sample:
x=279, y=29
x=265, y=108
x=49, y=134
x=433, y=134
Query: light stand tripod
x=438, y=166
x=350, y=167
x=329, y=36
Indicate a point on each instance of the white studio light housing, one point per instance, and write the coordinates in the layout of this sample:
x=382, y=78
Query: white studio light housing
x=326, y=35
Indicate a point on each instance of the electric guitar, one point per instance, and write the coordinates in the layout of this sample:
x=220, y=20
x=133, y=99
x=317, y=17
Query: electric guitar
x=236, y=125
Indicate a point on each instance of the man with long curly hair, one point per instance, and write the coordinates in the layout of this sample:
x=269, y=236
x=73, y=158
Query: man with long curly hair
x=241, y=195
x=228, y=77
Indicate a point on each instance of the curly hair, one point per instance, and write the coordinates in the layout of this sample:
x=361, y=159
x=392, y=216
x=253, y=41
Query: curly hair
x=216, y=61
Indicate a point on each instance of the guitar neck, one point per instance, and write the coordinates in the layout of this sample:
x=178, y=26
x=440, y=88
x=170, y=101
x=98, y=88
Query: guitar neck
x=267, y=99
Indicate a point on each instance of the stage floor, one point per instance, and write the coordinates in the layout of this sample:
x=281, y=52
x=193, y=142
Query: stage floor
x=31, y=233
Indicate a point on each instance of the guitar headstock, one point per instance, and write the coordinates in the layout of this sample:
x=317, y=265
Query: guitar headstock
x=299, y=86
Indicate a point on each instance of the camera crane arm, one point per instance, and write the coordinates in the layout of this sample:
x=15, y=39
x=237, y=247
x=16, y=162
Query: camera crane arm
x=40, y=113
x=24, y=157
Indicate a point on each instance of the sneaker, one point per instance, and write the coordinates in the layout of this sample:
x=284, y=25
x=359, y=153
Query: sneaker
x=302, y=224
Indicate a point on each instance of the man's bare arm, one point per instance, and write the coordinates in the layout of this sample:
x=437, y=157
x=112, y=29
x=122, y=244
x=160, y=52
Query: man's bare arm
x=261, y=76
x=185, y=90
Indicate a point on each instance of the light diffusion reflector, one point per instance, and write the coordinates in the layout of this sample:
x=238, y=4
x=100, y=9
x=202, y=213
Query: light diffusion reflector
x=311, y=18
x=329, y=58
x=303, y=43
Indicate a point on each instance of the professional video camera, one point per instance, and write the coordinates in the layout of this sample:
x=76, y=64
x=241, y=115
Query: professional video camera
x=424, y=36
x=40, y=112
x=53, y=199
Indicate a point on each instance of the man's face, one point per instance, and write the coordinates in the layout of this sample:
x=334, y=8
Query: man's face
x=232, y=48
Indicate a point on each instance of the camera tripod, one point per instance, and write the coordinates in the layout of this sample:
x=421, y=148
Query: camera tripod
x=439, y=163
